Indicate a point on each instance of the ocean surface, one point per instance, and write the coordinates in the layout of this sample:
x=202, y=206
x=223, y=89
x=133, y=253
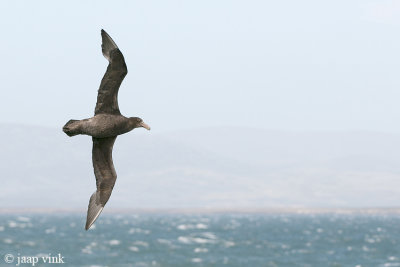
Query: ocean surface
x=201, y=240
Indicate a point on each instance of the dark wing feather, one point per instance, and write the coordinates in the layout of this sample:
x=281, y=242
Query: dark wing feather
x=105, y=177
x=107, y=98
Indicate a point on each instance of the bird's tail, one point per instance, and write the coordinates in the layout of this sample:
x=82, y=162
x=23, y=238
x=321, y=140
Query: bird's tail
x=94, y=209
x=71, y=128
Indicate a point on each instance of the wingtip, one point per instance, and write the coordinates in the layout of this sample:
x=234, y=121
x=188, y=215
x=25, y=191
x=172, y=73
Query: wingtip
x=87, y=227
x=90, y=221
x=88, y=224
x=94, y=210
x=107, y=44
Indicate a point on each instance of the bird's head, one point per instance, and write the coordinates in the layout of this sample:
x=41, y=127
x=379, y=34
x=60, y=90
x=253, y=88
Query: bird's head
x=135, y=122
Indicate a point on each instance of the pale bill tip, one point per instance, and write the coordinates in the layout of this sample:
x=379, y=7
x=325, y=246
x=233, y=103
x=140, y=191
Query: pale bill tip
x=144, y=125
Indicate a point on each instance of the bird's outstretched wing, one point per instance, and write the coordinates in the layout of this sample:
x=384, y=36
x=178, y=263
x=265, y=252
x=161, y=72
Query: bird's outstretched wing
x=107, y=97
x=105, y=177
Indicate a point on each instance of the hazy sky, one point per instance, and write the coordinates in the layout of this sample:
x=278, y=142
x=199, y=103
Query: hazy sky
x=291, y=65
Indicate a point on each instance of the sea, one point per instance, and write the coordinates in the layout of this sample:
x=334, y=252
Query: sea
x=145, y=240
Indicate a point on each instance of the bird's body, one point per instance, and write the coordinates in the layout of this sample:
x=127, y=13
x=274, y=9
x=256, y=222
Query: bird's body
x=100, y=126
x=104, y=127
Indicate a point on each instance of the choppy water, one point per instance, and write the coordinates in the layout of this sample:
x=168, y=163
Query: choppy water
x=204, y=240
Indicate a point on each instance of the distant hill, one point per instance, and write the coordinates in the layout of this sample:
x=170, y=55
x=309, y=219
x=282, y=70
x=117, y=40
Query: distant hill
x=223, y=167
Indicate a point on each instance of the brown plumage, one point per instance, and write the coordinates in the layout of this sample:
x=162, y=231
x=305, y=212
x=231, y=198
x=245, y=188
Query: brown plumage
x=104, y=127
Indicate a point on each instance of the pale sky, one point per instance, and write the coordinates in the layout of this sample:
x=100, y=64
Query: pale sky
x=287, y=65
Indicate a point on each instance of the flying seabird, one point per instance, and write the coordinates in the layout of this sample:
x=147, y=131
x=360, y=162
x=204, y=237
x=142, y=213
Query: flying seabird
x=104, y=127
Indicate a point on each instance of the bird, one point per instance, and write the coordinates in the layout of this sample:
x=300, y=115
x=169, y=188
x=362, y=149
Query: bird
x=104, y=127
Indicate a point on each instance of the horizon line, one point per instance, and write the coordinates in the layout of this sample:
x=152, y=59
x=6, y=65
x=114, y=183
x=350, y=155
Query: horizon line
x=205, y=210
